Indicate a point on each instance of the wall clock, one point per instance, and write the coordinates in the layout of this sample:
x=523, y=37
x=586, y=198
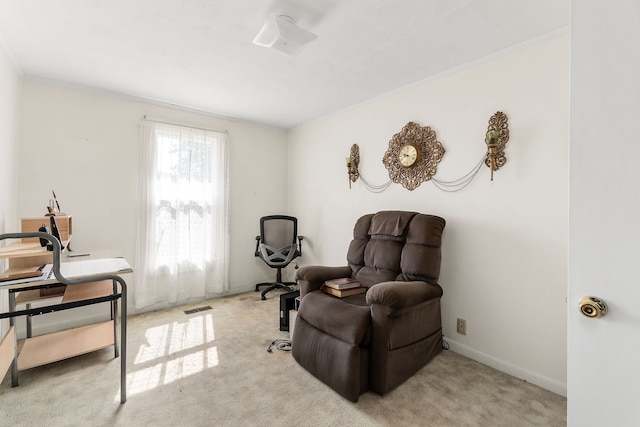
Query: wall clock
x=413, y=155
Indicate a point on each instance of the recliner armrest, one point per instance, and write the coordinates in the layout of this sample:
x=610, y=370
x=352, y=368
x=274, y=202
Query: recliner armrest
x=311, y=277
x=322, y=273
x=399, y=295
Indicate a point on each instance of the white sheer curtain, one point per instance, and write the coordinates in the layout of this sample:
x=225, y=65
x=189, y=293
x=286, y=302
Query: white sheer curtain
x=183, y=232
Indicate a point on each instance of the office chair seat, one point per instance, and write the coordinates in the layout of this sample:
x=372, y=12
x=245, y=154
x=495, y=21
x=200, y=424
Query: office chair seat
x=278, y=257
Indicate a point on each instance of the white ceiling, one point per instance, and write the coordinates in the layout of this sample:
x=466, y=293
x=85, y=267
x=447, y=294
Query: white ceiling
x=199, y=54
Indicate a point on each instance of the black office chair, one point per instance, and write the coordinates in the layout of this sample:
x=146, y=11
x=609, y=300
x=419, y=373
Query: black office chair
x=276, y=246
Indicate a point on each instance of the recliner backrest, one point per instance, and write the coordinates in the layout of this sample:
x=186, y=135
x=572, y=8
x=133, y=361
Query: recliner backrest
x=396, y=245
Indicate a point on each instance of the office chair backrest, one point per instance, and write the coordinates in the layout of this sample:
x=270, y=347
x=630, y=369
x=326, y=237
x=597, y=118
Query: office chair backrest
x=278, y=231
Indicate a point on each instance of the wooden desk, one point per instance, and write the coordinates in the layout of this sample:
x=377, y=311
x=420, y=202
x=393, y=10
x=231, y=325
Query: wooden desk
x=97, y=281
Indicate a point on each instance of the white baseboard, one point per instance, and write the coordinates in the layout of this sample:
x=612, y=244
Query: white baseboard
x=513, y=370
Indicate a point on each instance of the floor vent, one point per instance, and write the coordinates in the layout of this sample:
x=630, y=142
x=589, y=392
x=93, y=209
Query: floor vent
x=196, y=310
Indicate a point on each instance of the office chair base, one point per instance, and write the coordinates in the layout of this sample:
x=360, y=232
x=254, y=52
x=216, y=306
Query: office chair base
x=275, y=285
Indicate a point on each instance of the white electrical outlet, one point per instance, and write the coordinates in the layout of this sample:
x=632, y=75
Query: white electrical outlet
x=462, y=326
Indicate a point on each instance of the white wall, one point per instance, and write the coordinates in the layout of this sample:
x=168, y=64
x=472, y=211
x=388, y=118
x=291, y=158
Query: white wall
x=505, y=244
x=603, y=374
x=10, y=83
x=85, y=145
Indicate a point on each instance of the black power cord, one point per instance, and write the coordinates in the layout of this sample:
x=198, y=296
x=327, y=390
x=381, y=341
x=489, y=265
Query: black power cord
x=281, y=345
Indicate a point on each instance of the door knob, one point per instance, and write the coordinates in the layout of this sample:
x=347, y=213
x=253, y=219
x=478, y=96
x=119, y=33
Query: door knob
x=592, y=307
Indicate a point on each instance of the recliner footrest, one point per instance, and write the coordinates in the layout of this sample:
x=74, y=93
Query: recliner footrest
x=340, y=365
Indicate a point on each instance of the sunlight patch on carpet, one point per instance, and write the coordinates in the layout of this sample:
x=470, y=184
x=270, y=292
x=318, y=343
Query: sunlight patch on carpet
x=173, y=351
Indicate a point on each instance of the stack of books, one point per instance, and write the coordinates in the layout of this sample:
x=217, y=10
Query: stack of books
x=343, y=287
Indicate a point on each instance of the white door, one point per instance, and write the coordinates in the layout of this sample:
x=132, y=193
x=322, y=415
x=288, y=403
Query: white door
x=603, y=354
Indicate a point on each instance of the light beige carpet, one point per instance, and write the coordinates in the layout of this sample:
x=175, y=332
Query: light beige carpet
x=211, y=368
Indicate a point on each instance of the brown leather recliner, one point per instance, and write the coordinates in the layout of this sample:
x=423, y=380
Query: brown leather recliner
x=374, y=341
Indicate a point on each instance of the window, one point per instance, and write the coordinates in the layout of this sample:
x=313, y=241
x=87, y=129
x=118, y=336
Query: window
x=183, y=224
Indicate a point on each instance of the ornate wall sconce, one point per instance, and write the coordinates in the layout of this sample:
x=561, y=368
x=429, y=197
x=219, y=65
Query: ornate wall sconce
x=496, y=140
x=353, y=161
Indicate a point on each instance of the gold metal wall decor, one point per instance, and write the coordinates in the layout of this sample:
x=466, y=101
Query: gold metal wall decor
x=413, y=155
x=353, y=161
x=496, y=140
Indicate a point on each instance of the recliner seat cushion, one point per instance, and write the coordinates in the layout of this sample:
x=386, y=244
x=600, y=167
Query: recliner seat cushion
x=347, y=319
